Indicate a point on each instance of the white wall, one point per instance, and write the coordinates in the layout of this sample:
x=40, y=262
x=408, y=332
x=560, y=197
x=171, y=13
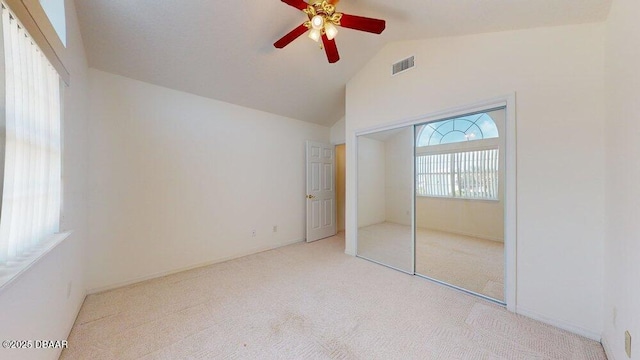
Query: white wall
x=557, y=74
x=622, y=242
x=371, y=181
x=385, y=162
x=179, y=180
x=36, y=305
x=477, y=218
x=337, y=132
x=398, y=177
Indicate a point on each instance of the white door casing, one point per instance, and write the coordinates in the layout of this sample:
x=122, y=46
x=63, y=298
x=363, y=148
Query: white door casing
x=321, y=191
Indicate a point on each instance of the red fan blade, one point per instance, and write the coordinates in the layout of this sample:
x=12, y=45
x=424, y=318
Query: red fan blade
x=287, y=39
x=361, y=23
x=298, y=4
x=331, y=49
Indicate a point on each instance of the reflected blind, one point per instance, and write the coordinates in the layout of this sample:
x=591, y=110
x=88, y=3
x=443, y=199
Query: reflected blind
x=32, y=168
x=468, y=175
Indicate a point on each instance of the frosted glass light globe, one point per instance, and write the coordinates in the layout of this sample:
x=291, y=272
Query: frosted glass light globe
x=330, y=30
x=314, y=35
x=317, y=22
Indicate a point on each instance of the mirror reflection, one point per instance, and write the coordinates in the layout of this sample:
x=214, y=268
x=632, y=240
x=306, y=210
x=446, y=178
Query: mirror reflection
x=459, y=204
x=385, y=191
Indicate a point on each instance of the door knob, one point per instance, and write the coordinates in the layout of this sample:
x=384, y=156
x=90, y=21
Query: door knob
x=310, y=197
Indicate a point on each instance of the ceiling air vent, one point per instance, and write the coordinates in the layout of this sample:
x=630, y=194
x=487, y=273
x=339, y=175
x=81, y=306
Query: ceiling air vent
x=403, y=65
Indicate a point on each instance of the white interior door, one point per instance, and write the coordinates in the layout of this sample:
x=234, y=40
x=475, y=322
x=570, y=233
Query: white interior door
x=321, y=191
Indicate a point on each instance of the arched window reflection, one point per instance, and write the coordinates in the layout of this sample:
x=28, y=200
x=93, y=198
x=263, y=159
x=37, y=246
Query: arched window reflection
x=465, y=128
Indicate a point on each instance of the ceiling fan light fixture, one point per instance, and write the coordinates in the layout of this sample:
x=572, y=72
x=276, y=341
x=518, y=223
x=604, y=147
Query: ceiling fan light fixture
x=322, y=21
x=331, y=30
x=315, y=35
x=317, y=22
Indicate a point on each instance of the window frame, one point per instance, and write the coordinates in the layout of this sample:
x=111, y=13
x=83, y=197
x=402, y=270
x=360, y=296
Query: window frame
x=32, y=16
x=14, y=267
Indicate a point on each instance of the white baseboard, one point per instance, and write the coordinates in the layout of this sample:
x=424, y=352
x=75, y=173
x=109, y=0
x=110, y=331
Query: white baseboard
x=79, y=306
x=190, y=267
x=578, y=330
x=607, y=349
x=483, y=237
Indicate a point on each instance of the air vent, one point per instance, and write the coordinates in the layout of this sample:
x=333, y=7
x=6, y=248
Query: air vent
x=403, y=65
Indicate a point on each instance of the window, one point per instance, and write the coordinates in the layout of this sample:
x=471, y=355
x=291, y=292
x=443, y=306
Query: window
x=458, y=158
x=31, y=190
x=466, y=128
x=468, y=175
x=56, y=13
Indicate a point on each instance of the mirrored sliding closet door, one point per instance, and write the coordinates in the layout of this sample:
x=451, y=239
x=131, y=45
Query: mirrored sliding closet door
x=459, y=202
x=385, y=198
x=431, y=200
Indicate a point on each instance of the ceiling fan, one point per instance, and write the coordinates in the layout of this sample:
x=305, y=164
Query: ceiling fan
x=322, y=23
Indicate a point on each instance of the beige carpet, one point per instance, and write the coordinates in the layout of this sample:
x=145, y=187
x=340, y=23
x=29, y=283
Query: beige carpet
x=308, y=301
x=387, y=243
x=467, y=262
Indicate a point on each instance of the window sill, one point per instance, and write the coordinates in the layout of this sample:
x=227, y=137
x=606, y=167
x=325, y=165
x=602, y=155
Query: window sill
x=457, y=198
x=11, y=271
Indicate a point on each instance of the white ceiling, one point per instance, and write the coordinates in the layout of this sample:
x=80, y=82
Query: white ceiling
x=223, y=49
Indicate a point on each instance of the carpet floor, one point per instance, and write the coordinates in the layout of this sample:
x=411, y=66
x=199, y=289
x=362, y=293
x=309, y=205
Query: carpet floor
x=308, y=301
x=388, y=243
x=468, y=262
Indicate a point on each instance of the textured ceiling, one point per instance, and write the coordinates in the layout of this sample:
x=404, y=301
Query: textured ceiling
x=223, y=49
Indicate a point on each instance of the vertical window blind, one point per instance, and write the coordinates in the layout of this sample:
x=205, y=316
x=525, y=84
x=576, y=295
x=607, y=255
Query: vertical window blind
x=31, y=193
x=468, y=175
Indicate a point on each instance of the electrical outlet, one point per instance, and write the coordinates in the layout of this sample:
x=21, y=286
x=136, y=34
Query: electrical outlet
x=275, y=228
x=69, y=284
x=627, y=343
x=253, y=233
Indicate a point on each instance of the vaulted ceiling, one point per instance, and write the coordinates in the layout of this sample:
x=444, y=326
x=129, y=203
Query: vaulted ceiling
x=223, y=49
